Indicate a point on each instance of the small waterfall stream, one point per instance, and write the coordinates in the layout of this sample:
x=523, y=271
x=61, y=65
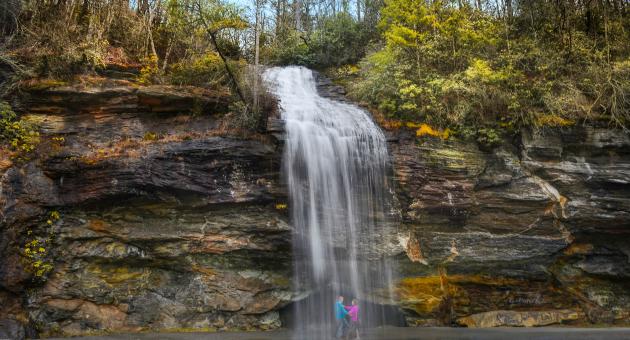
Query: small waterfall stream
x=335, y=165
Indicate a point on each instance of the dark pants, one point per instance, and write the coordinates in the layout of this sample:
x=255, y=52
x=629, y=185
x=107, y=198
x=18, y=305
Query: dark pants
x=342, y=325
x=353, y=330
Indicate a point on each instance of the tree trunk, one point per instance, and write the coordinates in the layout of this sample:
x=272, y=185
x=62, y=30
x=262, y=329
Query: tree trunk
x=85, y=8
x=213, y=37
x=171, y=42
x=298, y=14
x=256, y=54
x=278, y=19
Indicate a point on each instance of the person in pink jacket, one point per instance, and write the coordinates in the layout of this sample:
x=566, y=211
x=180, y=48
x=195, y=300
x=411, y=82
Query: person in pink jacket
x=353, y=312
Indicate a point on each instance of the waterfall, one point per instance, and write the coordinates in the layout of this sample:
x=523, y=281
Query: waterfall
x=335, y=166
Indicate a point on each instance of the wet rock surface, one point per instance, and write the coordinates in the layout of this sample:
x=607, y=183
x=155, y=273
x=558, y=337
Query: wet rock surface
x=517, y=319
x=11, y=329
x=547, y=213
x=168, y=222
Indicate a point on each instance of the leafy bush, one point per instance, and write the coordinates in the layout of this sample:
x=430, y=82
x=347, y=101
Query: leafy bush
x=60, y=40
x=291, y=51
x=150, y=72
x=485, y=76
x=260, y=103
x=200, y=70
x=21, y=136
x=36, y=254
x=339, y=40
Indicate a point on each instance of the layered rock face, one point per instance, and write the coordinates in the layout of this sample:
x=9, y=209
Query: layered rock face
x=169, y=221
x=533, y=233
x=166, y=220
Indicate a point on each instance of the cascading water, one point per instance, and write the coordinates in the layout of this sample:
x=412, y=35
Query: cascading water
x=335, y=165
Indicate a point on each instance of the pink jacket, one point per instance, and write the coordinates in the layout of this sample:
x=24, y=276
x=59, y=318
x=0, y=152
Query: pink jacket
x=353, y=311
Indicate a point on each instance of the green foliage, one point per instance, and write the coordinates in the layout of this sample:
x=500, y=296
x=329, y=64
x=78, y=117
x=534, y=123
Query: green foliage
x=488, y=137
x=260, y=103
x=291, y=51
x=150, y=72
x=150, y=136
x=63, y=39
x=485, y=76
x=338, y=40
x=378, y=85
x=36, y=256
x=21, y=136
x=198, y=70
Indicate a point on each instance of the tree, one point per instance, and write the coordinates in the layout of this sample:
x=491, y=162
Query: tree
x=215, y=18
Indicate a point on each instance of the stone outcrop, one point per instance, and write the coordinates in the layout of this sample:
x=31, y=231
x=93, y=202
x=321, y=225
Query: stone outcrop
x=169, y=220
x=120, y=96
x=517, y=319
x=543, y=219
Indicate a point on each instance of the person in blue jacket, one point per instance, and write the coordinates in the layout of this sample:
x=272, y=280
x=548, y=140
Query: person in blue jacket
x=340, y=316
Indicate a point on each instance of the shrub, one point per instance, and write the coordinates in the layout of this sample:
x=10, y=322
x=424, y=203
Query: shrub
x=339, y=40
x=149, y=73
x=260, y=103
x=36, y=254
x=291, y=51
x=470, y=70
x=201, y=70
x=150, y=136
x=21, y=136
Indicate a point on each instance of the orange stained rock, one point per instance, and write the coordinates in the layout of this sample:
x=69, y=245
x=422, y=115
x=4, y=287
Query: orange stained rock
x=98, y=225
x=414, y=252
x=109, y=316
x=578, y=248
x=424, y=294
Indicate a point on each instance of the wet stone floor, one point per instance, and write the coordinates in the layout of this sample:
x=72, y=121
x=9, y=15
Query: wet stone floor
x=403, y=333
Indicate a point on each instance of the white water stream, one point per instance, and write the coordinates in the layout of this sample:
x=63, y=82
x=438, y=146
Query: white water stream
x=335, y=165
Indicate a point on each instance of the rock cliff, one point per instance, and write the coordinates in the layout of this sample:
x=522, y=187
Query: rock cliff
x=152, y=215
x=540, y=225
x=167, y=220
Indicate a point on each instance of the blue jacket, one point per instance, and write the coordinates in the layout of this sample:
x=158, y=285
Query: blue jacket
x=340, y=311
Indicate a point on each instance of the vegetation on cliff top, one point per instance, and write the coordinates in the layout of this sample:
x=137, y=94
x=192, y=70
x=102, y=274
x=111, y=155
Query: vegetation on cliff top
x=480, y=68
x=533, y=63
x=179, y=42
